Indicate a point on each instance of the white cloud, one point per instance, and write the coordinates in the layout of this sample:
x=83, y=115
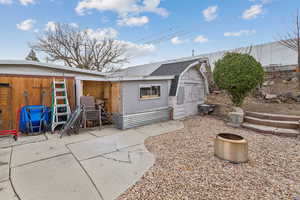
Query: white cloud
x=200, y=39
x=133, y=21
x=239, y=33
x=26, y=25
x=74, y=25
x=50, y=26
x=262, y=1
x=210, y=13
x=136, y=50
x=176, y=40
x=153, y=6
x=100, y=34
x=132, y=49
x=253, y=11
x=27, y=2
x=5, y=1
x=122, y=7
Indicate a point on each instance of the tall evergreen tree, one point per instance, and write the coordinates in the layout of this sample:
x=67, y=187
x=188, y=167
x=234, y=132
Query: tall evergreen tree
x=32, y=56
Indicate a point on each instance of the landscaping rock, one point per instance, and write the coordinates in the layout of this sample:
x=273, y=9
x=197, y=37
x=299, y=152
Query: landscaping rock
x=270, y=96
x=285, y=81
x=236, y=118
x=296, y=98
x=295, y=79
x=268, y=83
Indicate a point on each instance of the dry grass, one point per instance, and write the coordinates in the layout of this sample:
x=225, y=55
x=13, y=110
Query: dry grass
x=186, y=168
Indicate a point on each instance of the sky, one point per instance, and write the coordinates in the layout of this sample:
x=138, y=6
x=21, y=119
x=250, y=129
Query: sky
x=153, y=30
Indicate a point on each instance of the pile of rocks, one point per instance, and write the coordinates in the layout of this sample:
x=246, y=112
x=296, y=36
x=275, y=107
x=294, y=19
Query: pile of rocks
x=286, y=97
x=295, y=80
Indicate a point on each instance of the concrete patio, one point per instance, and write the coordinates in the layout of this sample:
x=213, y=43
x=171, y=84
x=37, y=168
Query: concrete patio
x=96, y=164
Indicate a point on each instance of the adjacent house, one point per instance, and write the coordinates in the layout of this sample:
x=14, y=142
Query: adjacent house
x=135, y=96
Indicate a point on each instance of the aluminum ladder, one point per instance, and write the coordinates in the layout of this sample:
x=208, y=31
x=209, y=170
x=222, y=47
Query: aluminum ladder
x=60, y=104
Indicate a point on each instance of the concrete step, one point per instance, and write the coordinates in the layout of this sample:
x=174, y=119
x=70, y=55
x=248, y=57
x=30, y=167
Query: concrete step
x=273, y=123
x=271, y=130
x=269, y=116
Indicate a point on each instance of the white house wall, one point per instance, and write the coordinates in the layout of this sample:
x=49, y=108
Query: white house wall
x=267, y=54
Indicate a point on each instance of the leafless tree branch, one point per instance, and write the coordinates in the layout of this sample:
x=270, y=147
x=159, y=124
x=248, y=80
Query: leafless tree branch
x=78, y=49
x=292, y=40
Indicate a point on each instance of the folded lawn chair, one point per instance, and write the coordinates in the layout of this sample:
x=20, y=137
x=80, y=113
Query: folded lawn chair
x=90, y=112
x=73, y=123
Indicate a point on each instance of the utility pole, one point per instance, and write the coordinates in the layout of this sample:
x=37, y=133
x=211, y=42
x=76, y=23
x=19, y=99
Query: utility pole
x=193, y=52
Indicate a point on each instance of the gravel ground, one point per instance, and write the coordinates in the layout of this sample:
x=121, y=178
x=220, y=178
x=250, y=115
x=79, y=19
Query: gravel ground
x=186, y=168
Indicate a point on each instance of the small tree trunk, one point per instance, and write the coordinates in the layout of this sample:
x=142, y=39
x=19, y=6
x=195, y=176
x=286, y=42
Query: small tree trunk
x=298, y=68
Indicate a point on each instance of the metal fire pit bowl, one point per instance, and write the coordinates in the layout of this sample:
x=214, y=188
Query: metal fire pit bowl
x=231, y=147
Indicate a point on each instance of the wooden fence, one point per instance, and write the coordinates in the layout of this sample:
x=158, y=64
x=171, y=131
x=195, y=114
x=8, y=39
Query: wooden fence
x=35, y=87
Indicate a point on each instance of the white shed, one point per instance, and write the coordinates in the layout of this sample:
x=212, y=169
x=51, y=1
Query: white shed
x=189, y=87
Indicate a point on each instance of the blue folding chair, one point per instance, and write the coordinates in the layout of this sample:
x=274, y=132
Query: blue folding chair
x=34, y=119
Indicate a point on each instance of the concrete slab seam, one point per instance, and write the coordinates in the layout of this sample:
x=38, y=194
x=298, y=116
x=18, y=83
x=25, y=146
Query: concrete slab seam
x=90, y=178
x=16, y=145
x=10, y=181
x=94, y=134
x=103, y=154
x=4, y=180
x=28, y=163
x=76, y=142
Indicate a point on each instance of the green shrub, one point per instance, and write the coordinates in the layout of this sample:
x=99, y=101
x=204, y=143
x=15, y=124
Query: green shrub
x=238, y=74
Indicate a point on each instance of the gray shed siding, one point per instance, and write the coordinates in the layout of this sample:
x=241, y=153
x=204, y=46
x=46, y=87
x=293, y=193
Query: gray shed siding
x=138, y=112
x=140, y=119
x=131, y=97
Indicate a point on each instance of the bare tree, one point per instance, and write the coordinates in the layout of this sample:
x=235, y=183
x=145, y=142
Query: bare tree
x=292, y=41
x=77, y=48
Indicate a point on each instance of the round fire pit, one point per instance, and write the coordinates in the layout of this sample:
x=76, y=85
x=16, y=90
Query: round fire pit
x=231, y=147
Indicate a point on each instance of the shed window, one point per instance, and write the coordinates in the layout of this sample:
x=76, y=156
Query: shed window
x=149, y=91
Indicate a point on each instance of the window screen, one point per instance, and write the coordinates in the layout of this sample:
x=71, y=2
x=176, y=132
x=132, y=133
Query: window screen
x=148, y=92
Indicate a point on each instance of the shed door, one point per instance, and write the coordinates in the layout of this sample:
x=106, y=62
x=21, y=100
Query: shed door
x=5, y=111
x=194, y=94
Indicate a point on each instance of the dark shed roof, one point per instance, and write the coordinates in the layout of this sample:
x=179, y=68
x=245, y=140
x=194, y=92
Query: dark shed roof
x=174, y=69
